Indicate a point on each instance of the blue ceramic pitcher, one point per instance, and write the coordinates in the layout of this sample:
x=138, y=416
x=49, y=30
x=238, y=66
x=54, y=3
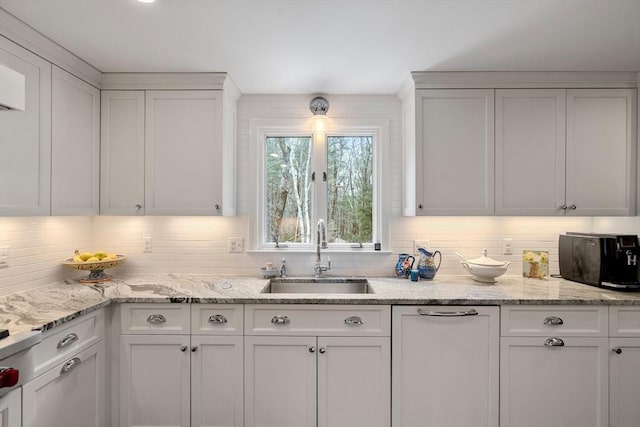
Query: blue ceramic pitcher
x=404, y=265
x=427, y=267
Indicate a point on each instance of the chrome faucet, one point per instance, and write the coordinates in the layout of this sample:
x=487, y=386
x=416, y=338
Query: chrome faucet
x=321, y=243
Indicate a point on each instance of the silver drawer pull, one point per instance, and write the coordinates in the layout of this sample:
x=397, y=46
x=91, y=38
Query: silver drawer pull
x=353, y=320
x=217, y=318
x=156, y=319
x=553, y=321
x=70, y=365
x=470, y=312
x=554, y=342
x=616, y=350
x=280, y=320
x=67, y=340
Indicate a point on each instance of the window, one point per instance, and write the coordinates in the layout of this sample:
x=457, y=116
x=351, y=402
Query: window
x=309, y=177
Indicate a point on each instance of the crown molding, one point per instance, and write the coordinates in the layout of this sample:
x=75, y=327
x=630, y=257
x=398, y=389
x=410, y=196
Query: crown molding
x=165, y=81
x=524, y=79
x=29, y=38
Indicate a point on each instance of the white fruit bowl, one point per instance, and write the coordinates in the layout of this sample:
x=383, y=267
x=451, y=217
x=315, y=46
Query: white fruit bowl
x=96, y=268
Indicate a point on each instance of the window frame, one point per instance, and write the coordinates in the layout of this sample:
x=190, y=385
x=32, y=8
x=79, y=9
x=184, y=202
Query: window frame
x=263, y=128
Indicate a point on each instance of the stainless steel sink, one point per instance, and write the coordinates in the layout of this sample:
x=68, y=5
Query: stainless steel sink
x=323, y=285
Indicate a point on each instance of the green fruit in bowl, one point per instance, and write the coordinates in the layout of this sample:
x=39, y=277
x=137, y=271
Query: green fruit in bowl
x=85, y=256
x=100, y=254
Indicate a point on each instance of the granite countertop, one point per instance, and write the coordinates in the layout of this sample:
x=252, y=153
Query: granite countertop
x=47, y=307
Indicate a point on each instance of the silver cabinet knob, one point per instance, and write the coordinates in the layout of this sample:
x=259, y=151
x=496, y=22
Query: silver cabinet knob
x=420, y=206
x=67, y=340
x=616, y=350
x=156, y=319
x=183, y=348
x=554, y=342
x=217, y=318
x=70, y=365
x=572, y=207
x=138, y=206
x=194, y=348
x=217, y=206
x=553, y=321
x=280, y=320
x=312, y=349
x=322, y=350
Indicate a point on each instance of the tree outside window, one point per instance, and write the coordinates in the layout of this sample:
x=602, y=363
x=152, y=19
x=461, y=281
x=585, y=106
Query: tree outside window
x=345, y=173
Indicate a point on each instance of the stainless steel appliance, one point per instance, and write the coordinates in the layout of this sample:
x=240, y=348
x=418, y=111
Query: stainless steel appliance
x=16, y=368
x=606, y=260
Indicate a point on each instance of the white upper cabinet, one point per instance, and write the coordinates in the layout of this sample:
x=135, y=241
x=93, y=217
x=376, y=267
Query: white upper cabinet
x=25, y=137
x=454, y=157
x=122, y=153
x=183, y=153
x=530, y=151
x=75, y=147
x=601, y=151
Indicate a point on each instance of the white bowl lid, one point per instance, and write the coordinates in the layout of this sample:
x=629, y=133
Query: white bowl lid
x=485, y=260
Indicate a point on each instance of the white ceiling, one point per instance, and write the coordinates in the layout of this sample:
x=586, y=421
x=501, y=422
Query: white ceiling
x=340, y=46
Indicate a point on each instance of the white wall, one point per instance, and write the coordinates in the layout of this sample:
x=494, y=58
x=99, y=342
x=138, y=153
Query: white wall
x=199, y=244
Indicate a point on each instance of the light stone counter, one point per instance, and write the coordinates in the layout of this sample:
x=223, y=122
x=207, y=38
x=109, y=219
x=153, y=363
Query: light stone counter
x=46, y=307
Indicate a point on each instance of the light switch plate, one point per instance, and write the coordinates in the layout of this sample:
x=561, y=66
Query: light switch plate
x=507, y=246
x=147, y=246
x=235, y=245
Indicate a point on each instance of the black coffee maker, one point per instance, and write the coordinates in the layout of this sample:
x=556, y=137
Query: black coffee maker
x=606, y=260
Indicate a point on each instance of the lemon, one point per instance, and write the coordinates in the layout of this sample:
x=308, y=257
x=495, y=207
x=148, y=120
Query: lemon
x=85, y=256
x=93, y=259
x=100, y=254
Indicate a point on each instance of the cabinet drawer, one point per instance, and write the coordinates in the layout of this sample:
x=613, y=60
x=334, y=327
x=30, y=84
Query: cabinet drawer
x=60, y=343
x=152, y=319
x=314, y=320
x=624, y=321
x=216, y=319
x=576, y=321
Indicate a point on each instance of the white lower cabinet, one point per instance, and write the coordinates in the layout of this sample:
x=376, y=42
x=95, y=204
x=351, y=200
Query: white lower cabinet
x=445, y=366
x=11, y=409
x=71, y=394
x=624, y=382
x=171, y=378
x=315, y=380
x=559, y=379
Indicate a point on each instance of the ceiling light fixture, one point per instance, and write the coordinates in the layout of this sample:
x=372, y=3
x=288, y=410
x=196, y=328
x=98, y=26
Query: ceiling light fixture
x=319, y=107
x=146, y=1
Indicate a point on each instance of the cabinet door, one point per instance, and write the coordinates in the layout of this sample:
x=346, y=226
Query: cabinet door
x=122, y=153
x=25, y=138
x=601, y=151
x=75, y=146
x=624, y=382
x=554, y=386
x=183, y=152
x=530, y=151
x=11, y=409
x=354, y=382
x=454, y=152
x=69, y=395
x=445, y=366
x=154, y=380
x=280, y=381
x=216, y=381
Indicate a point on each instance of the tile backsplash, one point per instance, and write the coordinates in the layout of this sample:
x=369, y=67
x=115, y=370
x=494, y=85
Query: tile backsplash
x=199, y=244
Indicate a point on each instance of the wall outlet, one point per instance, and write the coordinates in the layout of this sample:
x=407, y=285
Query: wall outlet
x=147, y=244
x=4, y=256
x=507, y=246
x=235, y=245
x=420, y=244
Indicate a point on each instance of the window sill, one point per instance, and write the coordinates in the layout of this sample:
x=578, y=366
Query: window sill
x=313, y=251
